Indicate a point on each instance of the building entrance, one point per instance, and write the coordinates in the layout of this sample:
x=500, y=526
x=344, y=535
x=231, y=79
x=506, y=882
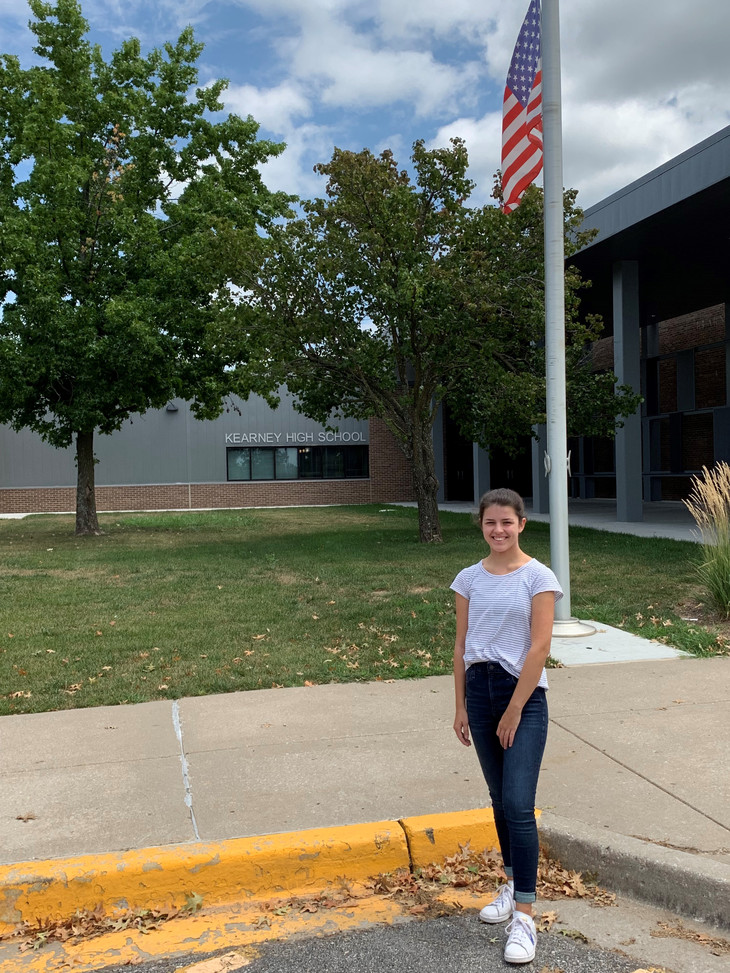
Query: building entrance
x=458, y=463
x=513, y=472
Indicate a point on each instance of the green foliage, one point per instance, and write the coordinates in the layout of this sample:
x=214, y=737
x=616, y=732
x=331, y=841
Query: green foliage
x=392, y=294
x=499, y=270
x=124, y=207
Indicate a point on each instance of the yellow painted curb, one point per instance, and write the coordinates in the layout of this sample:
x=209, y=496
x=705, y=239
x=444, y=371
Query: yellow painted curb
x=241, y=868
x=433, y=837
x=234, y=870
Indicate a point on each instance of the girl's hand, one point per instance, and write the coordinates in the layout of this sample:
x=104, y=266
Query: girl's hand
x=508, y=726
x=461, y=727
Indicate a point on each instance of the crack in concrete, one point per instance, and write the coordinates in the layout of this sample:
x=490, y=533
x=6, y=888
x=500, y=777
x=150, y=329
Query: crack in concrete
x=184, y=765
x=643, y=777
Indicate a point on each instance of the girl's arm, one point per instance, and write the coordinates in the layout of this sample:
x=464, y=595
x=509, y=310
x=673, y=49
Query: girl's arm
x=541, y=630
x=461, y=721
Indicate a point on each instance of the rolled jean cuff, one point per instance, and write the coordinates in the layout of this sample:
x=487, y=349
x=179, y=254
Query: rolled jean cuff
x=508, y=872
x=525, y=898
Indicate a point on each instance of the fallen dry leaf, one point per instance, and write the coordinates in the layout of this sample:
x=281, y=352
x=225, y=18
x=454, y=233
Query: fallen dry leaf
x=220, y=964
x=575, y=934
x=677, y=930
x=545, y=921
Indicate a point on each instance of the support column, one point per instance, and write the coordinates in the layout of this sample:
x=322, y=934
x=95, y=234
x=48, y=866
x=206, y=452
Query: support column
x=540, y=485
x=627, y=366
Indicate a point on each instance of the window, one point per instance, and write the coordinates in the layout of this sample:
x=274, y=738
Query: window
x=239, y=464
x=310, y=462
x=298, y=463
x=262, y=464
x=286, y=464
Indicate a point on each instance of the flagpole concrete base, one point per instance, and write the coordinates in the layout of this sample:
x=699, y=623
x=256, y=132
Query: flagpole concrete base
x=565, y=628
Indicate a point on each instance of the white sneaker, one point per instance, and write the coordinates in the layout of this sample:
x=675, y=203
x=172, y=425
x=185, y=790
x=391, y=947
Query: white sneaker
x=501, y=908
x=520, y=946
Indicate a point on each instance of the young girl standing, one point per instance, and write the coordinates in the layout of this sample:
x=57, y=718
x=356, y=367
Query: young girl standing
x=504, y=617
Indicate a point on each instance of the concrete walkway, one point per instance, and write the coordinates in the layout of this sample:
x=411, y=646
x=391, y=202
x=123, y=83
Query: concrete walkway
x=665, y=519
x=640, y=749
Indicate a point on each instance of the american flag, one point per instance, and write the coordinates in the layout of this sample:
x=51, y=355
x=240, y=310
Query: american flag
x=522, y=113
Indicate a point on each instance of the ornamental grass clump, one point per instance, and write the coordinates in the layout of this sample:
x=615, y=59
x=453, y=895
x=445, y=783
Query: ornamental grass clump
x=709, y=504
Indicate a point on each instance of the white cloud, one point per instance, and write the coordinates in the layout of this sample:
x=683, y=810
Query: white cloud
x=642, y=79
x=352, y=68
x=292, y=171
x=273, y=108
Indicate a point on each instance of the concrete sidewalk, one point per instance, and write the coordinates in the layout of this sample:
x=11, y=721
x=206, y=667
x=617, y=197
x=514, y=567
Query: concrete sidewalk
x=667, y=518
x=636, y=775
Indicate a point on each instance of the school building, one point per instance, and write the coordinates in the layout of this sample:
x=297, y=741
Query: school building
x=659, y=271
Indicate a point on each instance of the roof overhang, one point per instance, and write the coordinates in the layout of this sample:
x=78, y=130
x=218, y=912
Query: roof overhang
x=675, y=222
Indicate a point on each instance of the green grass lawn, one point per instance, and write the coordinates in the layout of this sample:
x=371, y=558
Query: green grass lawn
x=169, y=605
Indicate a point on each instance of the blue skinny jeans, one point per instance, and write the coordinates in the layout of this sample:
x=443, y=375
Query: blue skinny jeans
x=511, y=774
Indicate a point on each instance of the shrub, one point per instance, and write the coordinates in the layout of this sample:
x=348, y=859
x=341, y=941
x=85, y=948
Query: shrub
x=709, y=504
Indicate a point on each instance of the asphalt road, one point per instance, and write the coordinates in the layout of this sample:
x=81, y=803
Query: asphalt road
x=456, y=943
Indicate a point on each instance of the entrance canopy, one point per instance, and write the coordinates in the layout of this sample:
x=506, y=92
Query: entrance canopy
x=675, y=223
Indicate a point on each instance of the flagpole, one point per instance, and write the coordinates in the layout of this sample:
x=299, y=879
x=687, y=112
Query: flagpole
x=556, y=459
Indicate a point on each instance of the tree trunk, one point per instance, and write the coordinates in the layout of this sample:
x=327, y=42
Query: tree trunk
x=426, y=484
x=86, y=519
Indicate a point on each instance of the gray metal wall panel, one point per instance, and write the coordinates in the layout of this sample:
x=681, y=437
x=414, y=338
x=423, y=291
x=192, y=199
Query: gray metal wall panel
x=164, y=447
x=147, y=449
x=26, y=461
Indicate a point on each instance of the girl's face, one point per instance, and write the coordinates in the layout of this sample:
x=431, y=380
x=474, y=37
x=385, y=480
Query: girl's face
x=501, y=528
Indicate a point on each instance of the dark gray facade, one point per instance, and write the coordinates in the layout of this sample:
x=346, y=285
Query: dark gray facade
x=660, y=280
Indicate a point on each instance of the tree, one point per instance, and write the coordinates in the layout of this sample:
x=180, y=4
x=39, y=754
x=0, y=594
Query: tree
x=123, y=209
x=391, y=295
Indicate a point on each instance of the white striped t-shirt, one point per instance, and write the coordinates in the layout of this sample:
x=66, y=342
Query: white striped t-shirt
x=500, y=612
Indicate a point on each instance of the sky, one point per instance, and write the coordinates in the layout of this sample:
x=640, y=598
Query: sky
x=642, y=80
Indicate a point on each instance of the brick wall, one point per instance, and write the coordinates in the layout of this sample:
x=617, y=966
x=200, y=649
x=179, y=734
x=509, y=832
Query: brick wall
x=602, y=354
x=710, y=377
x=698, y=328
x=391, y=475
x=675, y=334
x=390, y=480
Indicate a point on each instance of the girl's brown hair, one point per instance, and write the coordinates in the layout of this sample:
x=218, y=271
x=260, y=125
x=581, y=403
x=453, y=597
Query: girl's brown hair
x=502, y=498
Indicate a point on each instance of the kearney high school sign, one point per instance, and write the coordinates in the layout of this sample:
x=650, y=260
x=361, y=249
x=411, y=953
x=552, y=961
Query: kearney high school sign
x=281, y=438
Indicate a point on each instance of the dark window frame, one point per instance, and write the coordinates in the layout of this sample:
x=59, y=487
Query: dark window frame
x=350, y=463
